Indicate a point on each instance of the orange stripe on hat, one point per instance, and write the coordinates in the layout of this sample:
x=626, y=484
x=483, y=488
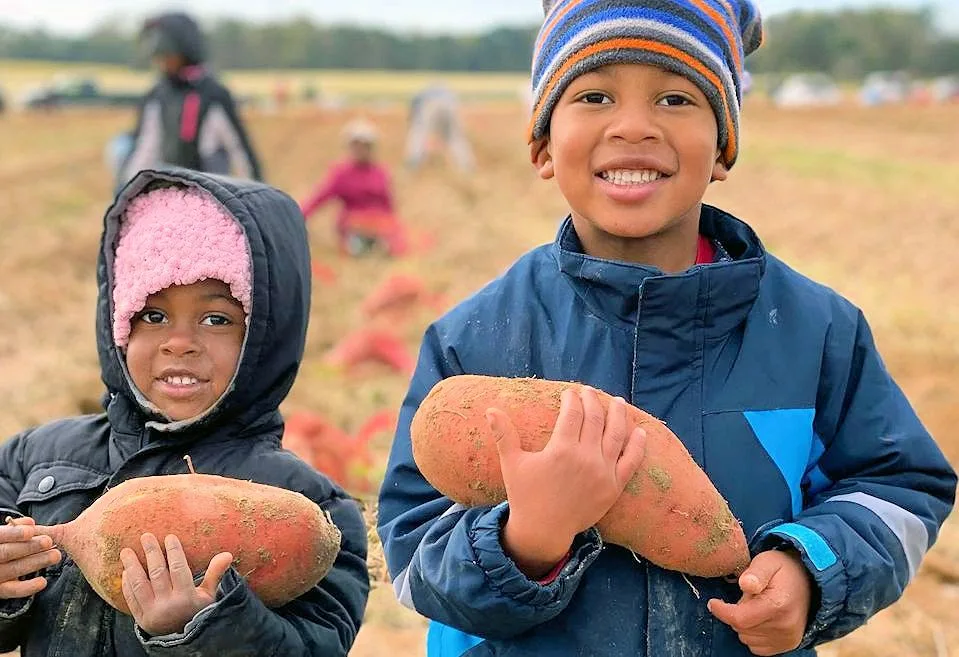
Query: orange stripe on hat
x=729, y=151
x=723, y=22
x=554, y=20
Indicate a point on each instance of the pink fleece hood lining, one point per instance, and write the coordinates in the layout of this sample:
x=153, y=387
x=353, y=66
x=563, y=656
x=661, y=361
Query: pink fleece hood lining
x=175, y=236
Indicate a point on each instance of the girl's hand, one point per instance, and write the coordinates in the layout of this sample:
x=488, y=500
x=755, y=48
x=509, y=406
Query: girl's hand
x=163, y=598
x=22, y=552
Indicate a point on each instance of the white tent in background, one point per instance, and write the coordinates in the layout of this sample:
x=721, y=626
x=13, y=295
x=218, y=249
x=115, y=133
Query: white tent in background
x=807, y=90
x=884, y=88
x=945, y=89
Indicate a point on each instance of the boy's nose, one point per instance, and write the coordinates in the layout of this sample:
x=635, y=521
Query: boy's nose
x=634, y=123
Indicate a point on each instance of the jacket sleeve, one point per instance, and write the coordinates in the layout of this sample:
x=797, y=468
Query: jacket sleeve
x=876, y=492
x=323, y=621
x=324, y=192
x=223, y=130
x=14, y=614
x=447, y=561
x=147, y=141
x=388, y=191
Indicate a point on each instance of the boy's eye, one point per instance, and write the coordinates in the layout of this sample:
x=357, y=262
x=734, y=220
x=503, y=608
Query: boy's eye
x=595, y=98
x=216, y=320
x=674, y=100
x=152, y=317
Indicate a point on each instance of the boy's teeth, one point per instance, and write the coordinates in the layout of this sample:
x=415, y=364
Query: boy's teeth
x=631, y=177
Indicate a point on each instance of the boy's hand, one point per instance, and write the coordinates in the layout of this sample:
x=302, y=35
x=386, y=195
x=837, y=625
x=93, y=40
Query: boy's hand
x=565, y=489
x=23, y=551
x=164, y=601
x=772, y=615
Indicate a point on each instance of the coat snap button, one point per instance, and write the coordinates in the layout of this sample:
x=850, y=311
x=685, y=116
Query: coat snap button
x=46, y=484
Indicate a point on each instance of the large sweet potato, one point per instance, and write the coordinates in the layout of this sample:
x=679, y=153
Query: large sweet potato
x=281, y=541
x=670, y=512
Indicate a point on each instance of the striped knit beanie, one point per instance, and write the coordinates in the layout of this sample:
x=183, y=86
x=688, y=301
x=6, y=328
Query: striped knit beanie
x=704, y=41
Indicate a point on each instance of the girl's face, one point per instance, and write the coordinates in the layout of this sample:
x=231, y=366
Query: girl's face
x=184, y=347
x=361, y=151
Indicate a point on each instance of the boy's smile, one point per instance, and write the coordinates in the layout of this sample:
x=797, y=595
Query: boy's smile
x=184, y=347
x=633, y=149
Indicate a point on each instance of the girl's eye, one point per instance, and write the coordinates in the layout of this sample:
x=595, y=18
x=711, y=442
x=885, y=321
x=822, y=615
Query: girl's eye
x=216, y=320
x=595, y=98
x=674, y=100
x=152, y=317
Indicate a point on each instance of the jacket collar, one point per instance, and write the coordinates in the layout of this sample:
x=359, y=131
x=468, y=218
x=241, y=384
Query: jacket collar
x=719, y=295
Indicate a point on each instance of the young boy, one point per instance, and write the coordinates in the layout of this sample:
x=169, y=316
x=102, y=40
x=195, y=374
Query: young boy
x=188, y=119
x=204, y=296
x=771, y=381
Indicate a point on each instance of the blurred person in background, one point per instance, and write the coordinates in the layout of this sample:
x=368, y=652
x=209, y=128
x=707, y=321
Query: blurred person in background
x=435, y=123
x=367, y=220
x=188, y=118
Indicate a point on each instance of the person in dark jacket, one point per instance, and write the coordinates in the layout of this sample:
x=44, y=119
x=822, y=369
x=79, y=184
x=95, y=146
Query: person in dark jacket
x=188, y=119
x=772, y=382
x=204, y=296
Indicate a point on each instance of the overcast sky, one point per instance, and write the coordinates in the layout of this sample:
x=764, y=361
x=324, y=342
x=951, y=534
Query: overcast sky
x=78, y=16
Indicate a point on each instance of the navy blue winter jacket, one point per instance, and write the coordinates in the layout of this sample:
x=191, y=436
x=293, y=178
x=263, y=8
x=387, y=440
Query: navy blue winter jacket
x=771, y=381
x=52, y=473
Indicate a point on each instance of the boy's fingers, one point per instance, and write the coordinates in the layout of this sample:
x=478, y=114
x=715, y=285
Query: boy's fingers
x=22, y=588
x=156, y=564
x=723, y=611
x=569, y=424
x=616, y=432
x=181, y=577
x=760, y=572
x=504, y=433
x=632, y=457
x=594, y=418
x=747, y=614
x=219, y=564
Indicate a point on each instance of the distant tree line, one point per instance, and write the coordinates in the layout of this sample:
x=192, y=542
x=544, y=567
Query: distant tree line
x=845, y=44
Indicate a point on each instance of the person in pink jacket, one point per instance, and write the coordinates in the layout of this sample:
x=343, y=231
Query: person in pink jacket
x=367, y=220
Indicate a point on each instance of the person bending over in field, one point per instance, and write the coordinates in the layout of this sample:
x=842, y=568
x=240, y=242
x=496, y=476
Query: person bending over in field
x=188, y=119
x=204, y=295
x=771, y=381
x=435, y=127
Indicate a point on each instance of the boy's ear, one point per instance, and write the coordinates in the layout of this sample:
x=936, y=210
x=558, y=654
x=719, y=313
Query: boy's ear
x=720, y=170
x=541, y=158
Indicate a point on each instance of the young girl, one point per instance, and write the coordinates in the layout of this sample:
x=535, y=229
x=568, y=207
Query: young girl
x=367, y=218
x=204, y=295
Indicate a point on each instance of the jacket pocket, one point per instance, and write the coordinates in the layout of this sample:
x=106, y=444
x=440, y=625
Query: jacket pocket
x=58, y=491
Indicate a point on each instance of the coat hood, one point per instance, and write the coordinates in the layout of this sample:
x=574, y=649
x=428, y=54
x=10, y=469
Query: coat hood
x=276, y=332
x=176, y=32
